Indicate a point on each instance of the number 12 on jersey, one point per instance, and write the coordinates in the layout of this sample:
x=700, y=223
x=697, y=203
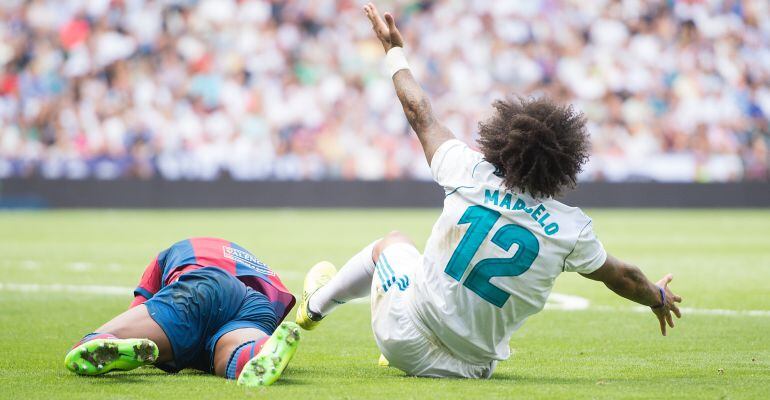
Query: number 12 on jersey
x=481, y=220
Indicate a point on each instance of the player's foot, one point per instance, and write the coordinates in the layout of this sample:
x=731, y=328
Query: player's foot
x=100, y=356
x=383, y=362
x=266, y=367
x=317, y=277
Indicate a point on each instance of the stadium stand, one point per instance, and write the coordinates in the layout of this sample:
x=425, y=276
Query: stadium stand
x=296, y=90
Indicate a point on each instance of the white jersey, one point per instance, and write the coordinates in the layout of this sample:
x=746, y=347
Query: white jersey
x=493, y=255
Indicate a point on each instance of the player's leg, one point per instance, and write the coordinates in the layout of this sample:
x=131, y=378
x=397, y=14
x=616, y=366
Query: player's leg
x=137, y=323
x=262, y=362
x=389, y=239
x=324, y=290
x=401, y=343
x=128, y=341
x=235, y=348
x=242, y=349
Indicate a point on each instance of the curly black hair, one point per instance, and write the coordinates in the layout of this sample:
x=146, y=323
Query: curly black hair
x=536, y=145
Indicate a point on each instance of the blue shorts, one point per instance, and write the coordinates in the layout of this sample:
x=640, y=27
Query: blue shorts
x=200, y=307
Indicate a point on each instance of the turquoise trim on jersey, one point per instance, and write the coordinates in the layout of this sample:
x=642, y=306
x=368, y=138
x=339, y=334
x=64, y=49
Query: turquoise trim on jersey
x=378, y=268
x=387, y=264
x=388, y=275
x=403, y=283
x=574, y=246
x=474, y=168
x=458, y=188
x=399, y=282
x=387, y=270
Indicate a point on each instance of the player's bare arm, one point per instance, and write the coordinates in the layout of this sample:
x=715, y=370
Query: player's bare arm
x=630, y=282
x=414, y=100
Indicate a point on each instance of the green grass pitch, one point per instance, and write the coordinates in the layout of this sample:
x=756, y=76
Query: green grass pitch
x=720, y=260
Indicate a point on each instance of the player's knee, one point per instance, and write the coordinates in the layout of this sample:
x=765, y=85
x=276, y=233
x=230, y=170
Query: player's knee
x=389, y=239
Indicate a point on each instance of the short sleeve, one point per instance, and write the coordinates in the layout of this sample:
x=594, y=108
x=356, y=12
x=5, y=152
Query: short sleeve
x=588, y=254
x=453, y=163
x=150, y=282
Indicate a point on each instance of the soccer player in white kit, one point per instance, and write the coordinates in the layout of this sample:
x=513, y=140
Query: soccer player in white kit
x=498, y=246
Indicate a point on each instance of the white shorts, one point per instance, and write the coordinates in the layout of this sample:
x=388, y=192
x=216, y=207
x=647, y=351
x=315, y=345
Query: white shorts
x=402, y=338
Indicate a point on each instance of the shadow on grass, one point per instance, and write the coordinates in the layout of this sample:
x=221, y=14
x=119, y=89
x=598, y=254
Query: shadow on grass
x=540, y=380
x=140, y=376
x=292, y=382
x=393, y=374
x=143, y=377
x=305, y=377
x=498, y=378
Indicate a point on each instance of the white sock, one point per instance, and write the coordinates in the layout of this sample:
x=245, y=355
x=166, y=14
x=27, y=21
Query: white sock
x=353, y=281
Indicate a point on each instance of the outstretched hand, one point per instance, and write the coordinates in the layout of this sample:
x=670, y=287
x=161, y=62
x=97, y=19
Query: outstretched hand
x=663, y=312
x=386, y=29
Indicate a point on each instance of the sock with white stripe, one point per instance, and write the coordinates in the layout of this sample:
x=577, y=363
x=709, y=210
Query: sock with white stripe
x=353, y=281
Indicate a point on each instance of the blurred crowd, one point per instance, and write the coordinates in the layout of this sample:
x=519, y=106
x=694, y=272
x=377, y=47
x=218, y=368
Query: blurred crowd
x=290, y=90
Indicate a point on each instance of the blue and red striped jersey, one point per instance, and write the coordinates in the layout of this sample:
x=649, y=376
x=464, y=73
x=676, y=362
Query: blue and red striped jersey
x=195, y=253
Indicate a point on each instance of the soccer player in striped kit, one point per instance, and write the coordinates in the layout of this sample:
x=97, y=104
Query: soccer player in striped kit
x=203, y=303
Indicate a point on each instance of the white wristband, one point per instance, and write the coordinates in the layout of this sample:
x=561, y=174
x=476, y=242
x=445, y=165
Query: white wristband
x=396, y=60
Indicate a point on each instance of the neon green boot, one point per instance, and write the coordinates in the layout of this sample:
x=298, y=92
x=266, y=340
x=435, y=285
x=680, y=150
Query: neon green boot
x=268, y=365
x=100, y=356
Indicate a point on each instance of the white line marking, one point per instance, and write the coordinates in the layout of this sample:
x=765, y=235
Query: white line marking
x=94, y=289
x=714, y=311
x=566, y=302
x=30, y=264
x=685, y=311
x=79, y=266
x=556, y=301
x=114, y=266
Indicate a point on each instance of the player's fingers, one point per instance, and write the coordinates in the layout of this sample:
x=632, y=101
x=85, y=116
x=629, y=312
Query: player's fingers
x=669, y=319
x=376, y=14
x=371, y=14
x=374, y=8
x=395, y=35
x=374, y=17
x=380, y=25
x=662, y=325
x=676, y=311
x=668, y=278
x=380, y=30
x=676, y=298
x=390, y=21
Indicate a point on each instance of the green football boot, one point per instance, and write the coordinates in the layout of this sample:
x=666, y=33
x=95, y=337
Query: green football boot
x=266, y=367
x=100, y=356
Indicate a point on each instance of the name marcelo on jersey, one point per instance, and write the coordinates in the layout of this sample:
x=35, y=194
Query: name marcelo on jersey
x=539, y=213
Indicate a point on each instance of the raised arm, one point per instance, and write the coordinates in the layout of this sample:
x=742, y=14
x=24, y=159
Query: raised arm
x=413, y=99
x=628, y=281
